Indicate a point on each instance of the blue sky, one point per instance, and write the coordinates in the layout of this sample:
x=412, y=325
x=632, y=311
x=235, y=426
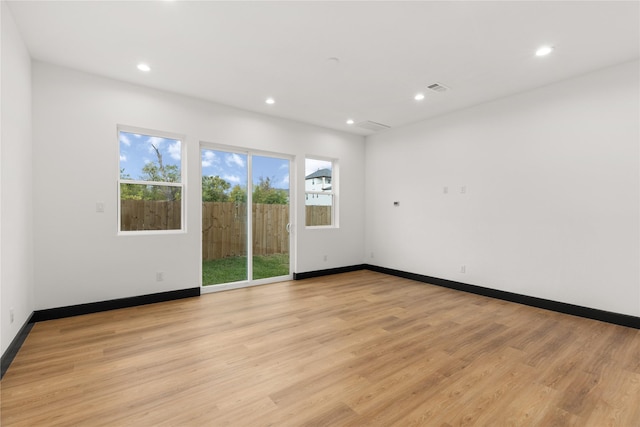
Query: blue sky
x=136, y=150
x=232, y=167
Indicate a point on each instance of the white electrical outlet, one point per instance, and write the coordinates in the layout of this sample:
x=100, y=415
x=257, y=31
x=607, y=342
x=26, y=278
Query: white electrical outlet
x=11, y=315
x=371, y=254
x=325, y=257
x=159, y=276
x=100, y=207
x=445, y=190
x=463, y=269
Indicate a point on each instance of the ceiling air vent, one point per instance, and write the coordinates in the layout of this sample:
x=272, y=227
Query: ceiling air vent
x=374, y=126
x=437, y=87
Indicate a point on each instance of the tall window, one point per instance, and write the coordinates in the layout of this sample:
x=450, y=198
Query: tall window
x=320, y=185
x=150, y=184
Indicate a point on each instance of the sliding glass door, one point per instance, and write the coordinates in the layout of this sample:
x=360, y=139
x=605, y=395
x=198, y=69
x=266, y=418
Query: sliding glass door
x=245, y=218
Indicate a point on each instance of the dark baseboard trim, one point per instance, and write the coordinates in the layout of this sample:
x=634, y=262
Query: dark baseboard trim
x=75, y=310
x=95, y=307
x=328, y=272
x=561, y=307
x=11, y=351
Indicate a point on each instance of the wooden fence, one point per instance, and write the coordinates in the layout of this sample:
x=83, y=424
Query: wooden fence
x=224, y=233
x=317, y=215
x=138, y=215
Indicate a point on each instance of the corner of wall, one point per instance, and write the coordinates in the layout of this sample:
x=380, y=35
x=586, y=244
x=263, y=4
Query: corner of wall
x=16, y=195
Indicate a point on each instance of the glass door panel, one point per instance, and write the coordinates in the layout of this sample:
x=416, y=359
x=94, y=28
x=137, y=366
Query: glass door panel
x=224, y=217
x=270, y=217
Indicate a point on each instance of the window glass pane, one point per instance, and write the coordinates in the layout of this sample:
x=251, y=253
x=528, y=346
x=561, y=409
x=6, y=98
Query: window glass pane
x=150, y=207
x=319, y=192
x=270, y=214
x=149, y=158
x=224, y=217
x=317, y=175
x=318, y=209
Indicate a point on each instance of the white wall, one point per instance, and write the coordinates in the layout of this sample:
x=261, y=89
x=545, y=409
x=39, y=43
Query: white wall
x=79, y=257
x=551, y=208
x=16, y=218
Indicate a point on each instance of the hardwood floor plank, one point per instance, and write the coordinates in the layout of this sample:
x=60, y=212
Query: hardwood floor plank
x=354, y=349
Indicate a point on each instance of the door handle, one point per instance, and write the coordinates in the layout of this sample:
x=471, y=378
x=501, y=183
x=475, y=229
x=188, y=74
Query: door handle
x=288, y=227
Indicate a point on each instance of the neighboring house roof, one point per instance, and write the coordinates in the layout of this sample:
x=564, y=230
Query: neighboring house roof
x=319, y=174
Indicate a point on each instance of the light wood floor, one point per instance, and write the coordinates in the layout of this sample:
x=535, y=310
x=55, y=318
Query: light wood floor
x=356, y=349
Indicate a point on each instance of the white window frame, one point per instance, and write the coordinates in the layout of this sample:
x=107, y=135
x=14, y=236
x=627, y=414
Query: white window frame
x=182, y=184
x=335, y=181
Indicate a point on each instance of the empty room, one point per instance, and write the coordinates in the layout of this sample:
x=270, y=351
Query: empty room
x=331, y=213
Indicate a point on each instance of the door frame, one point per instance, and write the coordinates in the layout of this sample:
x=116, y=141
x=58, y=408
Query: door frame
x=249, y=152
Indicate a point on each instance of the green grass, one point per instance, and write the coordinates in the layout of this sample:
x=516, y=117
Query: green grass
x=270, y=266
x=234, y=269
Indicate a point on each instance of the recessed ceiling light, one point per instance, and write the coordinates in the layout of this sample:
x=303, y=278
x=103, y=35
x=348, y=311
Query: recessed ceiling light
x=544, y=50
x=144, y=67
x=350, y=122
x=270, y=101
x=419, y=97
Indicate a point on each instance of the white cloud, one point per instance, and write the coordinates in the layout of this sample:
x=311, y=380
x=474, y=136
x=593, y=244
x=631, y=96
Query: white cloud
x=124, y=139
x=285, y=181
x=234, y=179
x=154, y=141
x=234, y=158
x=174, y=150
x=208, y=158
x=123, y=157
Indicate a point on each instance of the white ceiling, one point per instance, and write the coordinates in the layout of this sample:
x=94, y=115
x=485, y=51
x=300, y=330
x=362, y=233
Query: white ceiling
x=239, y=53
